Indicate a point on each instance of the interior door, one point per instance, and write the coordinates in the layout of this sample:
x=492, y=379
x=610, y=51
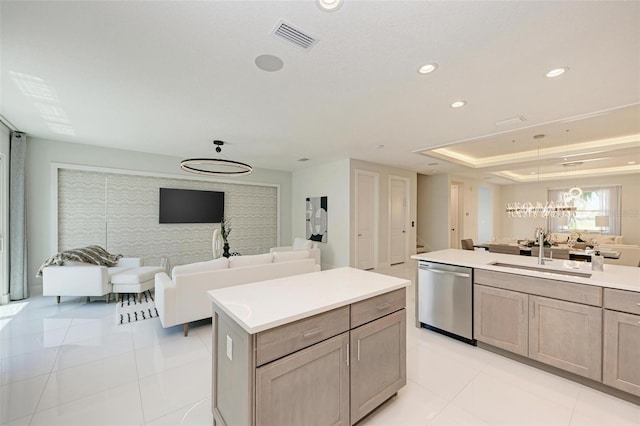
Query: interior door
x=397, y=220
x=366, y=188
x=454, y=240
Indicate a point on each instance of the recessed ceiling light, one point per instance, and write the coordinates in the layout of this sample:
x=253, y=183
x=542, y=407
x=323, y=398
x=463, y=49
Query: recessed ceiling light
x=631, y=162
x=329, y=5
x=269, y=63
x=428, y=68
x=434, y=171
x=379, y=146
x=532, y=173
x=458, y=104
x=557, y=72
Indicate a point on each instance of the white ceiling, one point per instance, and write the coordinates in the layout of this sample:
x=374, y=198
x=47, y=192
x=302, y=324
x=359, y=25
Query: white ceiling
x=170, y=77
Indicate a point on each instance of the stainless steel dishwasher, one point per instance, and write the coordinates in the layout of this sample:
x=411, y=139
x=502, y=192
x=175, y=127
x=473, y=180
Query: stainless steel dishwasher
x=445, y=299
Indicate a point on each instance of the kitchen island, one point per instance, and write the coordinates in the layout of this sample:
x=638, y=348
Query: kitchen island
x=561, y=314
x=315, y=349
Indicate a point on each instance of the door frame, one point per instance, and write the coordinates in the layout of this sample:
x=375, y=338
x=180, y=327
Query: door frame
x=4, y=227
x=407, y=208
x=459, y=214
x=376, y=214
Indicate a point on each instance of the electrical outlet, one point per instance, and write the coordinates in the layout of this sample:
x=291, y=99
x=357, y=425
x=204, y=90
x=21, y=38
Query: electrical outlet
x=229, y=348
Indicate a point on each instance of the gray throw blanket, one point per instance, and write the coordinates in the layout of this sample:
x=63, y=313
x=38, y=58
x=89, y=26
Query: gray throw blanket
x=91, y=254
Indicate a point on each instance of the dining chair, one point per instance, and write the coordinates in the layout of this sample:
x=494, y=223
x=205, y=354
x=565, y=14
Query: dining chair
x=467, y=244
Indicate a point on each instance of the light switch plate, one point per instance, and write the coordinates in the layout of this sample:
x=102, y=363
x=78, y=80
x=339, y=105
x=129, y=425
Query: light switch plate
x=229, y=348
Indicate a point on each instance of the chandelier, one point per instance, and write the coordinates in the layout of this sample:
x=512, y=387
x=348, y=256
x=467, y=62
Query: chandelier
x=215, y=166
x=564, y=208
x=527, y=209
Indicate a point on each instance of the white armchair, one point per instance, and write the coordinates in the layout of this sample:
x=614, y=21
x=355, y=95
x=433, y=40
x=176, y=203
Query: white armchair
x=83, y=279
x=301, y=244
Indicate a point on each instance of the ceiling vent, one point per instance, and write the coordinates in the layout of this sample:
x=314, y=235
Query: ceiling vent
x=293, y=35
x=510, y=121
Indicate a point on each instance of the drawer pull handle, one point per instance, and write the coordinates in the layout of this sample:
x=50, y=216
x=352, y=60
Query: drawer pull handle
x=358, y=349
x=638, y=304
x=383, y=306
x=311, y=333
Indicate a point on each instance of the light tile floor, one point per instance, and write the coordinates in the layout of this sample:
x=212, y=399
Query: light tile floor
x=70, y=364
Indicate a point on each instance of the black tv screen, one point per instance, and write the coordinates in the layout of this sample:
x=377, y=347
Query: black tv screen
x=191, y=206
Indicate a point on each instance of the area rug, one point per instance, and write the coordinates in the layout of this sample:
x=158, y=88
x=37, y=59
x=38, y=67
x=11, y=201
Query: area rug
x=130, y=310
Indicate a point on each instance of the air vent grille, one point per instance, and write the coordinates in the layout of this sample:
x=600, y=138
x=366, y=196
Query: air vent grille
x=295, y=36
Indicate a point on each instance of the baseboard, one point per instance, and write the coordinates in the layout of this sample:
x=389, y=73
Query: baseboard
x=4, y=299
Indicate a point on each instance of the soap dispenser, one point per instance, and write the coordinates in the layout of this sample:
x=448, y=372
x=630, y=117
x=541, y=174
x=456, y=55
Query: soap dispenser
x=597, y=261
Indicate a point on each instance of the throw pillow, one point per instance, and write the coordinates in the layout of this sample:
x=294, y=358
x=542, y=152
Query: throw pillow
x=285, y=256
x=250, y=260
x=302, y=244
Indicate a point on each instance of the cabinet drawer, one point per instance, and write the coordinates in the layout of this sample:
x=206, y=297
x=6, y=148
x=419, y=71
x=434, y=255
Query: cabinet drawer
x=376, y=307
x=563, y=290
x=621, y=300
x=280, y=341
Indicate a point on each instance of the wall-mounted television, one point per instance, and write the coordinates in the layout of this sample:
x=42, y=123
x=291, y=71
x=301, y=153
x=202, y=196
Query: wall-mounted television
x=191, y=206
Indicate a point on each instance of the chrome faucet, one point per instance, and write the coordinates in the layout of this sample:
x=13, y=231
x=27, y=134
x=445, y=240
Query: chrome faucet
x=540, y=238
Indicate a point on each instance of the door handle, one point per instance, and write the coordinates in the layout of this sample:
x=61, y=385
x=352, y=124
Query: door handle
x=438, y=271
x=348, y=354
x=359, y=235
x=404, y=232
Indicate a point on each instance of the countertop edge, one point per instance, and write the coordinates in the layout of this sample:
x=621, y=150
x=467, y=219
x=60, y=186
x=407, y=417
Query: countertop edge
x=604, y=279
x=305, y=314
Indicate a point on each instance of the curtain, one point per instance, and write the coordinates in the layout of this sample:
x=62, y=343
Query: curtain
x=18, y=282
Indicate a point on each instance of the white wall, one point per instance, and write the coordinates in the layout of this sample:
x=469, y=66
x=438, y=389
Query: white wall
x=383, y=213
x=4, y=214
x=470, y=206
x=433, y=211
x=41, y=153
x=630, y=209
x=330, y=180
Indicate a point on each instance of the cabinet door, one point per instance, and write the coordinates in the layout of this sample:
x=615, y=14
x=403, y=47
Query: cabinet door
x=500, y=318
x=378, y=362
x=309, y=387
x=622, y=351
x=566, y=335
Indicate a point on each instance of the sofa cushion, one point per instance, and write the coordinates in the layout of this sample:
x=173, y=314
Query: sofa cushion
x=285, y=256
x=302, y=244
x=209, y=265
x=250, y=260
x=136, y=275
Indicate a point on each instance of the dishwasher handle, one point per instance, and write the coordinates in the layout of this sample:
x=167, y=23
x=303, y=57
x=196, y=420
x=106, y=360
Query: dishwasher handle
x=440, y=271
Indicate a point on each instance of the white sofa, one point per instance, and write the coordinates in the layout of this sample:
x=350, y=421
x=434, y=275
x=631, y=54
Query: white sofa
x=562, y=237
x=301, y=244
x=83, y=279
x=182, y=298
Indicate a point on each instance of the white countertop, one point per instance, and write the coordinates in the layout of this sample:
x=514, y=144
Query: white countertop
x=267, y=304
x=613, y=276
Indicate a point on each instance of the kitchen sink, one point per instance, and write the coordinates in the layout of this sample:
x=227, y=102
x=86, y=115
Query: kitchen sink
x=547, y=270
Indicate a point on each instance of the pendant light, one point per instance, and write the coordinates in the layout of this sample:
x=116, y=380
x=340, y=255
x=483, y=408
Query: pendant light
x=215, y=166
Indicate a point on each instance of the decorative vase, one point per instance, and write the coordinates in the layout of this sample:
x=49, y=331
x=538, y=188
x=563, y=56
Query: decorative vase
x=225, y=250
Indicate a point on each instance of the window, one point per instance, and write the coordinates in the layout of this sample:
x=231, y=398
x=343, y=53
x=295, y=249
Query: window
x=594, y=201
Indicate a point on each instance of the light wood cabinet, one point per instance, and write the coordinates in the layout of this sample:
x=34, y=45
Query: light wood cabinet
x=550, y=321
x=566, y=335
x=320, y=370
x=501, y=318
x=621, y=354
x=378, y=362
x=309, y=387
